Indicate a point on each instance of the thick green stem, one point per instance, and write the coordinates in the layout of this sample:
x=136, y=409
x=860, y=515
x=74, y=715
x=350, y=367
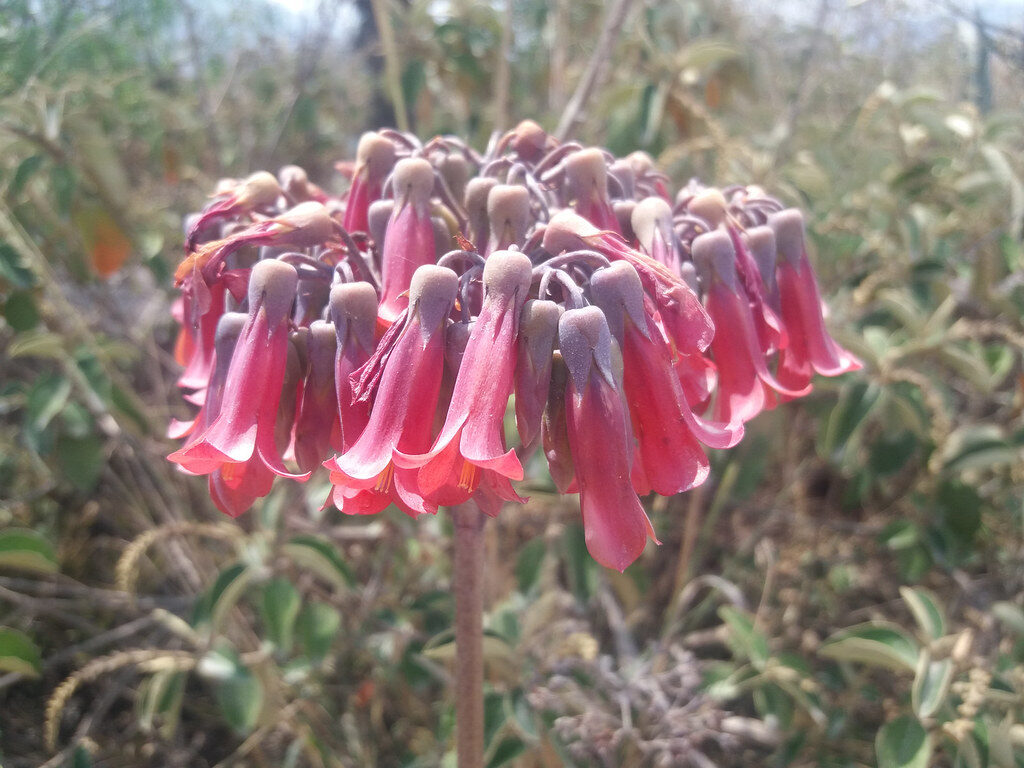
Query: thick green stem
x=469, y=635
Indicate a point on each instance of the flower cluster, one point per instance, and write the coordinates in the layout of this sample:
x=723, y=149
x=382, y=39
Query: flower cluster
x=382, y=333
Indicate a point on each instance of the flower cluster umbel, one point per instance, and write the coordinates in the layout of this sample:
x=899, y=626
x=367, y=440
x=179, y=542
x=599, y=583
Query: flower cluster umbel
x=381, y=333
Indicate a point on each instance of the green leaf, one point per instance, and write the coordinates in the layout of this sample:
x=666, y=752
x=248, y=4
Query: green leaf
x=26, y=170
x=81, y=758
x=18, y=653
x=81, y=460
x=38, y=343
x=20, y=311
x=508, y=749
x=903, y=743
x=494, y=716
x=931, y=684
x=578, y=562
x=12, y=270
x=317, y=626
x=927, y=611
x=528, y=564
x=747, y=641
x=223, y=595
x=522, y=714
x=978, y=446
x=856, y=401
x=1010, y=615
x=26, y=550
x=281, y=604
x=873, y=643
x=240, y=697
x=320, y=556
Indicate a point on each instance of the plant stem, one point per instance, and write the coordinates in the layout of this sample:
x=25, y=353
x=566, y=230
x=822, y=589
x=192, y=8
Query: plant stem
x=469, y=635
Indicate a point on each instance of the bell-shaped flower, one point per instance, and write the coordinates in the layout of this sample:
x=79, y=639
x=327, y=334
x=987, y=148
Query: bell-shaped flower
x=409, y=239
x=554, y=429
x=318, y=423
x=470, y=447
x=244, y=428
x=229, y=328
x=586, y=186
x=811, y=348
x=710, y=204
x=616, y=528
x=671, y=459
x=404, y=375
x=538, y=328
x=375, y=157
x=353, y=308
x=742, y=368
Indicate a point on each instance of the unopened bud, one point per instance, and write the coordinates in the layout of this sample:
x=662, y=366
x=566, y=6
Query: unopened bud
x=508, y=272
x=413, y=180
x=710, y=205
x=585, y=174
x=376, y=154
x=508, y=212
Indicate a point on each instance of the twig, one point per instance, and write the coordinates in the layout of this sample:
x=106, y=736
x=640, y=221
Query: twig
x=503, y=74
x=605, y=41
x=392, y=66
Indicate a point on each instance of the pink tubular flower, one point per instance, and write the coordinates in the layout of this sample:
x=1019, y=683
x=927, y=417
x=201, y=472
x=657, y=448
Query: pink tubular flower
x=811, y=347
x=615, y=525
x=375, y=157
x=406, y=372
x=743, y=371
x=537, y=329
x=318, y=423
x=470, y=449
x=670, y=459
x=244, y=428
x=353, y=308
x=199, y=363
x=409, y=240
x=229, y=328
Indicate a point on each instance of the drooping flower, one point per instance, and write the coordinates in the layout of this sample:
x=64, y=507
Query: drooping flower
x=245, y=425
x=318, y=423
x=406, y=374
x=670, y=459
x=811, y=347
x=409, y=240
x=538, y=328
x=353, y=309
x=616, y=528
x=471, y=445
x=743, y=371
x=375, y=157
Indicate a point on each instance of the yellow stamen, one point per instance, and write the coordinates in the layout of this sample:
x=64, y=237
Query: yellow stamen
x=384, y=479
x=468, y=476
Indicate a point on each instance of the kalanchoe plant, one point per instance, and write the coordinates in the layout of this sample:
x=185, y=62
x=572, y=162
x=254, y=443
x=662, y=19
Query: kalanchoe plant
x=633, y=329
x=382, y=334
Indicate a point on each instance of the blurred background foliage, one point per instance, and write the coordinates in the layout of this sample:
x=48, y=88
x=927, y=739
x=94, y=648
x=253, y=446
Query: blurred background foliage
x=846, y=590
